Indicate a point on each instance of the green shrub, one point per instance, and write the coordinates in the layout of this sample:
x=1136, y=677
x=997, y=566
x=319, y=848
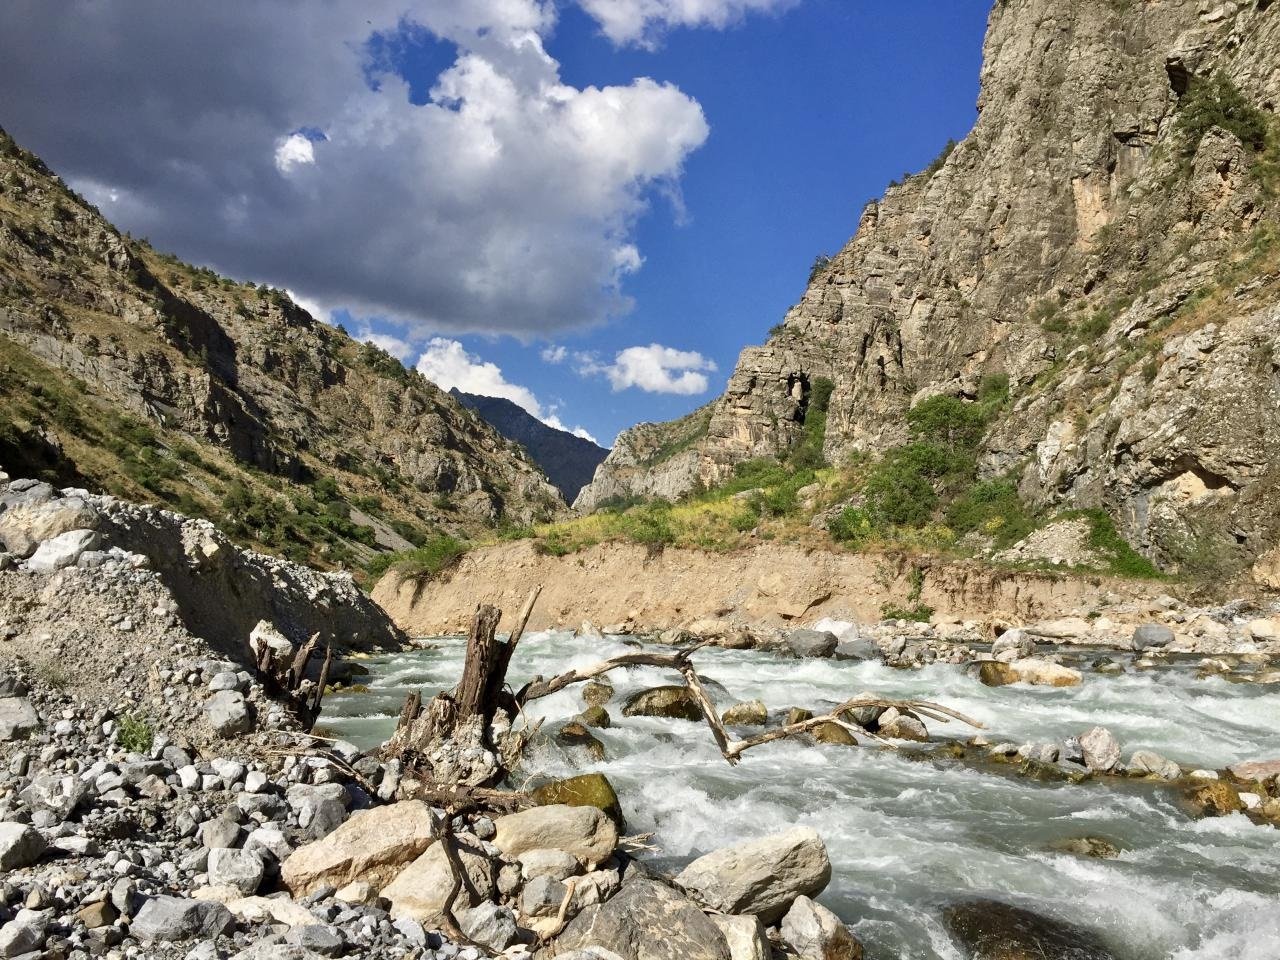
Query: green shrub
x=899, y=492
x=992, y=508
x=920, y=613
x=650, y=524
x=425, y=562
x=1217, y=102
x=940, y=160
x=1105, y=539
x=820, y=263
x=948, y=421
x=135, y=734
x=852, y=525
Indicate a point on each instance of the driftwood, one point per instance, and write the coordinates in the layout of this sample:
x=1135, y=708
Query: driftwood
x=286, y=679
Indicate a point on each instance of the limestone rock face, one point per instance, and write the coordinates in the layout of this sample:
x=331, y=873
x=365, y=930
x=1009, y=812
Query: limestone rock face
x=1071, y=242
x=373, y=846
x=762, y=877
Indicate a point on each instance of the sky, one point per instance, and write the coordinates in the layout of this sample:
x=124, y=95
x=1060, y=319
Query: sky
x=586, y=206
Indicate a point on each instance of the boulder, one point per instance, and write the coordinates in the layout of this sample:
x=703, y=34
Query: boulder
x=63, y=550
x=901, y=726
x=761, y=877
x=596, y=716
x=228, y=713
x=1149, y=635
x=815, y=933
x=241, y=870
x=745, y=937
x=989, y=929
x=271, y=910
x=418, y=892
x=373, y=846
x=996, y=673
x=585, y=832
x=1255, y=770
x=597, y=693
x=59, y=795
x=859, y=648
x=647, y=920
x=20, y=846
x=25, y=526
x=24, y=934
x=1214, y=798
x=169, y=919
x=1101, y=749
x=542, y=896
x=556, y=864
x=585, y=790
x=1148, y=763
x=490, y=926
x=574, y=734
x=672, y=702
x=752, y=713
x=833, y=733
x=812, y=643
x=1041, y=673
x=18, y=718
x=1012, y=645
x=1096, y=847
x=320, y=808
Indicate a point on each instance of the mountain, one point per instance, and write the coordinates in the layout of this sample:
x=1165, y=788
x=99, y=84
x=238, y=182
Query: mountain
x=569, y=461
x=1093, y=272
x=124, y=369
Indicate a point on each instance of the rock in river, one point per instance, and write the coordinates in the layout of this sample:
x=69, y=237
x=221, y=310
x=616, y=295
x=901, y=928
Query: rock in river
x=672, y=702
x=989, y=930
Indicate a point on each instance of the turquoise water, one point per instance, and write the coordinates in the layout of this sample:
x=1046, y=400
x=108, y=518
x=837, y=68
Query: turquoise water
x=906, y=836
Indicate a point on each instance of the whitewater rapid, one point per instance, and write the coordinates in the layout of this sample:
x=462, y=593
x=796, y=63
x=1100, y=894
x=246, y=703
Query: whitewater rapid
x=906, y=836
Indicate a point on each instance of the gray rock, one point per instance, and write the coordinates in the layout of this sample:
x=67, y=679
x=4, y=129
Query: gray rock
x=20, y=846
x=546, y=862
x=858, y=649
x=1150, y=635
x=320, y=808
x=169, y=919
x=319, y=938
x=58, y=795
x=646, y=919
x=542, y=896
x=745, y=936
x=63, y=550
x=1101, y=749
x=1012, y=645
x=228, y=713
x=761, y=877
x=220, y=833
x=490, y=925
x=812, y=643
x=815, y=933
x=1148, y=763
x=18, y=718
x=24, y=527
x=242, y=869
x=24, y=934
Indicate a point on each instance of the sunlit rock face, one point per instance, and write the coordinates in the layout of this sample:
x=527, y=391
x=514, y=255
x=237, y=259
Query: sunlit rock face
x=1074, y=242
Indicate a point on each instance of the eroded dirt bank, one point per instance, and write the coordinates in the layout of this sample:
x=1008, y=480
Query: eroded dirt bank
x=769, y=585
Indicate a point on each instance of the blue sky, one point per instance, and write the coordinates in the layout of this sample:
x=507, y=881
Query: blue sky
x=625, y=188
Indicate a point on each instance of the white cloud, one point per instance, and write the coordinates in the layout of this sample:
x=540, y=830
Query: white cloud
x=640, y=21
x=653, y=369
x=292, y=151
x=505, y=203
x=314, y=307
x=402, y=350
x=555, y=354
x=447, y=364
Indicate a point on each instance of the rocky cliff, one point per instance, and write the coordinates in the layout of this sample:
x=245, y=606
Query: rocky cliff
x=1106, y=238
x=569, y=461
x=127, y=370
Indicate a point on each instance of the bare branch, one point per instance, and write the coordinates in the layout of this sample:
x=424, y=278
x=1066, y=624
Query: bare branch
x=522, y=620
x=539, y=688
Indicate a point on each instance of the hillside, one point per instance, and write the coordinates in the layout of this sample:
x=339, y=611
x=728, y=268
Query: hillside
x=569, y=461
x=126, y=370
x=1090, y=282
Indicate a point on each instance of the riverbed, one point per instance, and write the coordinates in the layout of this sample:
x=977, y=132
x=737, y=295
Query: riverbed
x=906, y=835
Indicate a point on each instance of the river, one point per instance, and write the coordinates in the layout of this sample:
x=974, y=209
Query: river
x=906, y=836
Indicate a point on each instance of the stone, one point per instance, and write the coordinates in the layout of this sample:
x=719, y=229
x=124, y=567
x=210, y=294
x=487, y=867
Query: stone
x=859, y=648
x=318, y=938
x=1148, y=763
x=815, y=933
x=1149, y=635
x=1101, y=749
x=358, y=892
x=585, y=832
x=1213, y=798
x=574, y=734
x=901, y=726
x=596, y=693
x=24, y=934
x=542, y=896
x=1255, y=770
x=373, y=846
x=671, y=702
x=628, y=926
x=752, y=713
x=812, y=643
x=1012, y=645
x=61, y=796
x=271, y=910
x=320, y=808
x=1097, y=847
x=744, y=936
x=100, y=913
x=20, y=846
x=996, y=673
x=18, y=718
x=597, y=717
x=165, y=919
x=833, y=733
x=798, y=715
x=241, y=869
x=25, y=526
x=220, y=833
x=63, y=550
x=585, y=790
x=418, y=891
x=228, y=713
x=548, y=863
x=987, y=928
x=761, y=877
x=270, y=842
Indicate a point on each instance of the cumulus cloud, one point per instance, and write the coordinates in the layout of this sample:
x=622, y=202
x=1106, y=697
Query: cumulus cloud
x=269, y=140
x=641, y=21
x=555, y=354
x=448, y=364
x=653, y=369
